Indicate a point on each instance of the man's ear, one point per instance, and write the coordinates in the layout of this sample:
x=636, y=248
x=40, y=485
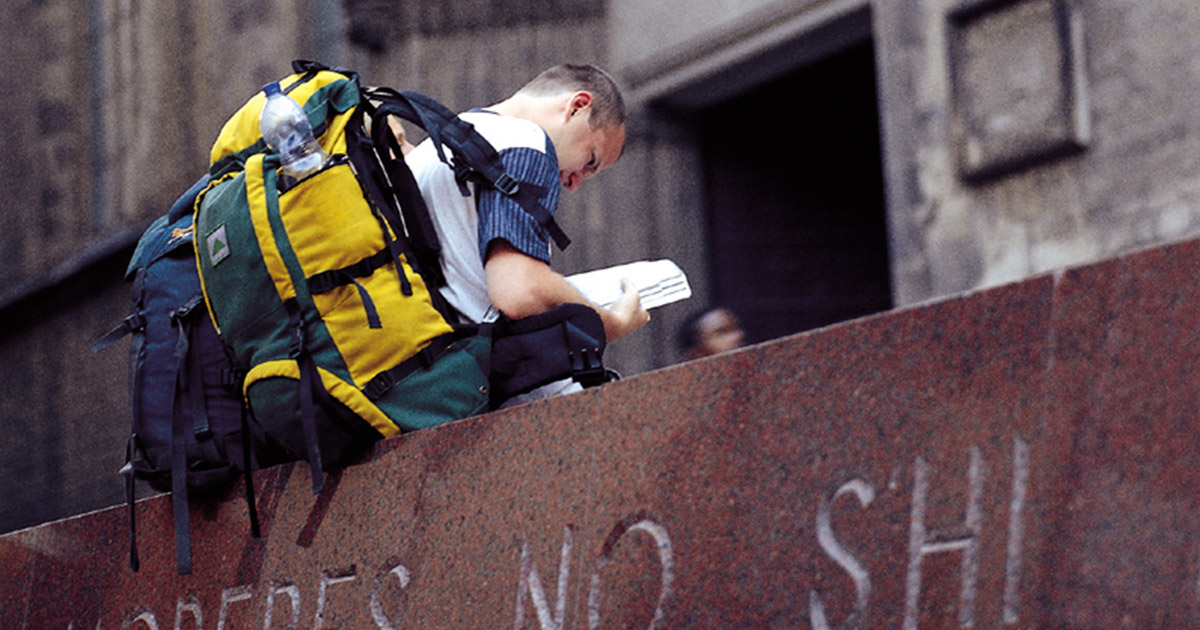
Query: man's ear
x=580, y=102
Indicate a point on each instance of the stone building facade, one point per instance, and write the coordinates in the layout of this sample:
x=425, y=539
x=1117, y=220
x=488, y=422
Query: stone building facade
x=805, y=161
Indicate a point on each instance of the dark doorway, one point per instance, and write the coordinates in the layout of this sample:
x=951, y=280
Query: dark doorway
x=797, y=224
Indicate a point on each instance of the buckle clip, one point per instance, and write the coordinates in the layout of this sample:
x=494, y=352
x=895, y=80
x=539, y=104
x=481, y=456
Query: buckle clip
x=137, y=322
x=507, y=185
x=379, y=385
x=587, y=368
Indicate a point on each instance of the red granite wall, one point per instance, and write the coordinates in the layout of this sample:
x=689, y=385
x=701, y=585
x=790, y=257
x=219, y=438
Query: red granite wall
x=1021, y=457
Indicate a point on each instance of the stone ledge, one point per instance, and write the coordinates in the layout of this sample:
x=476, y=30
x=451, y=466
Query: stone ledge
x=1024, y=456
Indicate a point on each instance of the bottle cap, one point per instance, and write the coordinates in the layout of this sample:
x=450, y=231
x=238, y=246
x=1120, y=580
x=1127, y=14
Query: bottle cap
x=271, y=88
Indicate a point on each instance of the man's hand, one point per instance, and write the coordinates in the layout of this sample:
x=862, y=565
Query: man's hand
x=398, y=131
x=626, y=313
x=520, y=286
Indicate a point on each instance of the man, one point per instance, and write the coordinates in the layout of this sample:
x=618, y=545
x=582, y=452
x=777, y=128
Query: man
x=710, y=331
x=564, y=126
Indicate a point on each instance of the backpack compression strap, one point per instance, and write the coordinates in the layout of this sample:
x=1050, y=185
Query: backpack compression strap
x=135, y=324
x=309, y=379
x=179, y=427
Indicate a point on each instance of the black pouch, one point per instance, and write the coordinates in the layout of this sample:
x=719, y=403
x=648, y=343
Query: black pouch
x=564, y=342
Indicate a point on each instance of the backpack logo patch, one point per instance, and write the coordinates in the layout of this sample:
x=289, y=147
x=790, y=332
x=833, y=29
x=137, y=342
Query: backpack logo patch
x=217, y=244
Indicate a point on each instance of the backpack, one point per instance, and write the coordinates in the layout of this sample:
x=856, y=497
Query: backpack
x=188, y=432
x=326, y=289
x=298, y=339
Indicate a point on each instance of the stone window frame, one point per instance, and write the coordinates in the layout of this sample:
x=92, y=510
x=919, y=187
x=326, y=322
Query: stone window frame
x=1073, y=115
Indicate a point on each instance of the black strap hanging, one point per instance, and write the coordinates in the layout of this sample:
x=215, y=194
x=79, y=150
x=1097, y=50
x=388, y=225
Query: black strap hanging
x=364, y=168
x=179, y=428
x=135, y=562
x=308, y=381
x=248, y=472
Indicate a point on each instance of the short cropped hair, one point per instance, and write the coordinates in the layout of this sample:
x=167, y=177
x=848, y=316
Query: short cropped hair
x=688, y=334
x=608, y=107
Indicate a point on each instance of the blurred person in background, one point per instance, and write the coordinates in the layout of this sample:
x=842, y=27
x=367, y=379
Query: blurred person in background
x=710, y=331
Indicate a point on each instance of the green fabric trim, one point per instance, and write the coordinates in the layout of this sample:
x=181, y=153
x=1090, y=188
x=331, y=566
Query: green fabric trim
x=339, y=96
x=237, y=285
x=235, y=162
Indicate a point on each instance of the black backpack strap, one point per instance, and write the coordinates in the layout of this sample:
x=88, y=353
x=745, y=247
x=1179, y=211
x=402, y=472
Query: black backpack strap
x=133, y=323
x=376, y=158
x=309, y=67
x=179, y=497
x=406, y=195
x=364, y=158
x=248, y=474
x=476, y=158
x=326, y=281
x=191, y=382
x=425, y=357
x=137, y=350
x=309, y=379
x=135, y=563
x=233, y=379
x=179, y=428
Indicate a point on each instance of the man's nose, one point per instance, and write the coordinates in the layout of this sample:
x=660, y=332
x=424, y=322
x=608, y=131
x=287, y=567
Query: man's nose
x=572, y=182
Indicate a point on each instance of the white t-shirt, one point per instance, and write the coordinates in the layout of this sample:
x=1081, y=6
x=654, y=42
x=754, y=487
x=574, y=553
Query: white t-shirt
x=466, y=225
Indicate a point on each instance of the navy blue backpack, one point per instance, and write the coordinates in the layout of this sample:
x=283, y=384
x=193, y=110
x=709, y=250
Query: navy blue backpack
x=189, y=431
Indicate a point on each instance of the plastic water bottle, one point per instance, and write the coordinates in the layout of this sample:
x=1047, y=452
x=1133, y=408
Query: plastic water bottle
x=284, y=126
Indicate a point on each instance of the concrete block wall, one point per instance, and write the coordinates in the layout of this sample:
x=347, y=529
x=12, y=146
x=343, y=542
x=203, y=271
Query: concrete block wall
x=1133, y=184
x=45, y=169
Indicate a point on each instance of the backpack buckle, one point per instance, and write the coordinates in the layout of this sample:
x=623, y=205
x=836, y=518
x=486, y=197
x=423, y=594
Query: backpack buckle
x=462, y=174
x=133, y=323
x=296, y=345
x=379, y=385
x=587, y=368
x=507, y=185
x=136, y=322
x=232, y=378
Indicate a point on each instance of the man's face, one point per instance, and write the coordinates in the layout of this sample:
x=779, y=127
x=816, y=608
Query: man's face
x=583, y=151
x=718, y=331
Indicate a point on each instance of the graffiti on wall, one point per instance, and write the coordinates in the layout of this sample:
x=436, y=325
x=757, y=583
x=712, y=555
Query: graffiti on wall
x=540, y=595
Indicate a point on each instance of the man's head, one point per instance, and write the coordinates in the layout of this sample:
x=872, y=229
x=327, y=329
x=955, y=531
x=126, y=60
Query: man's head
x=708, y=332
x=608, y=107
x=581, y=109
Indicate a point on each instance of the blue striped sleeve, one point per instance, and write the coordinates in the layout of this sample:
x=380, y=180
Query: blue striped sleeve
x=500, y=217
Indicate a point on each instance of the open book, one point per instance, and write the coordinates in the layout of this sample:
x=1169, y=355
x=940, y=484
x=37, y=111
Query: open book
x=658, y=282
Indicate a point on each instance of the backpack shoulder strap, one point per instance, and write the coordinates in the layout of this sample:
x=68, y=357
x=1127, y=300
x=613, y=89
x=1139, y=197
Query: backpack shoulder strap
x=476, y=156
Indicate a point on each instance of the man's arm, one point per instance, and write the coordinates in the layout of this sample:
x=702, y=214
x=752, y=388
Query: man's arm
x=520, y=286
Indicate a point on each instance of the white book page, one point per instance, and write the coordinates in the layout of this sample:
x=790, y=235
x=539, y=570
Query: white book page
x=658, y=282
